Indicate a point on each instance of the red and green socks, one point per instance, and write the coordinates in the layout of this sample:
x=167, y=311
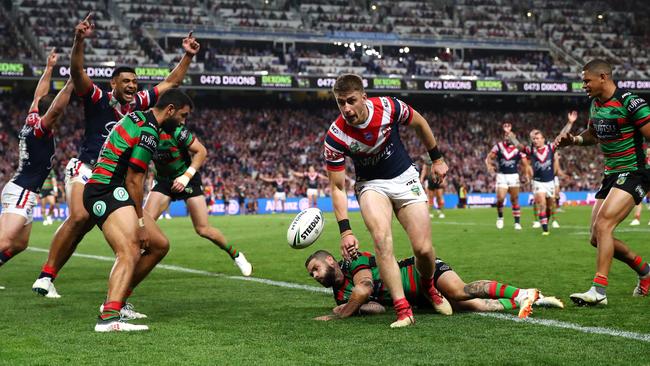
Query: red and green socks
x=641, y=267
x=111, y=310
x=232, y=252
x=498, y=290
x=599, y=284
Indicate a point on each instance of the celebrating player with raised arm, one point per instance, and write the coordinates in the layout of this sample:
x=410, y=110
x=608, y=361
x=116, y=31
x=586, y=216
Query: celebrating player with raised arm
x=35, y=162
x=386, y=181
x=357, y=287
x=102, y=110
x=507, y=157
x=618, y=122
x=179, y=156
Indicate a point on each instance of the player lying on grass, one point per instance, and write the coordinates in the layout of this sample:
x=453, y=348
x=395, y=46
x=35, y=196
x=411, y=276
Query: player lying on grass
x=358, y=289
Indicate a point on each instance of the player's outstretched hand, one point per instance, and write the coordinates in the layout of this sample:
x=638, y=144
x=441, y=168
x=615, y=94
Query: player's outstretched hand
x=143, y=238
x=324, y=318
x=439, y=170
x=52, y=57
x=190, y=45
x=572, y=116
x=85, y=28
x=565, y=139
x=349, y=247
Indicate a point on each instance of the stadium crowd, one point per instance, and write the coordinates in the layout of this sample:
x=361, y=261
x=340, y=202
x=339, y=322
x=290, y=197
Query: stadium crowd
x=244, y=144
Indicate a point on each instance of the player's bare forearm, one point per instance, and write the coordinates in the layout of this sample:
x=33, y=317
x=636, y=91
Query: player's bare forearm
x=43, y=86
x=339, y=197
x=423, y=130
x=134, y=183
x=175, y=78
x=58, y=106
x=79, y=77
x=476, y=289
x=200, y=154
x=645, y=131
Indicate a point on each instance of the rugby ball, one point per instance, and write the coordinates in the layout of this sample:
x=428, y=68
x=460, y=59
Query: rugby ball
x=305, y=228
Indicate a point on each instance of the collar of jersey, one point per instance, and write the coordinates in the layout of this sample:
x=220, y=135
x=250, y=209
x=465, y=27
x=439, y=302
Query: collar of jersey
x=371, y=110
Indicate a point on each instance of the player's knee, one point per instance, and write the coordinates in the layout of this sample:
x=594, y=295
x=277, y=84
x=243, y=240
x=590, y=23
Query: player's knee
x=203, y=231
x=78, y=218
x=422, y=251
x=128, y=256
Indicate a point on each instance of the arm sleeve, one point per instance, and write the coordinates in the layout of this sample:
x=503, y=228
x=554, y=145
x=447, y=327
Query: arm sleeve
x=147, y=98
x=403, y=112
x=639, y=112
x=184, y=137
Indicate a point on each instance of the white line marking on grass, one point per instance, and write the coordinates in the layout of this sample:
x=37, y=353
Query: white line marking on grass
x=544, y=322
x=565, y=325
x=206, y=273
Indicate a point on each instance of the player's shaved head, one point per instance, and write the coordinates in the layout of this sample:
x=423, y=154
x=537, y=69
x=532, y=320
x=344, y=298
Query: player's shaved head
x=320, y=255
x=348, y=83
x=598, y=66
x=121, y=69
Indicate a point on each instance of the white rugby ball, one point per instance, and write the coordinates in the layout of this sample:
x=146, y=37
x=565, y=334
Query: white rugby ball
x=305, y=228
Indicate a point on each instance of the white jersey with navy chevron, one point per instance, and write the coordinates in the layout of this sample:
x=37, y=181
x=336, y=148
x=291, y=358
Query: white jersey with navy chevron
x=542, y=160
x=374, y=146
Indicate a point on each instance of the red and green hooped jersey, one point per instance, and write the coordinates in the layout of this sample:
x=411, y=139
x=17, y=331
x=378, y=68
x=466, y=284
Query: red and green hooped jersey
x=617, y=123
x=131, y=143
x=48, y=184
x=172, y=157
x=380, y=294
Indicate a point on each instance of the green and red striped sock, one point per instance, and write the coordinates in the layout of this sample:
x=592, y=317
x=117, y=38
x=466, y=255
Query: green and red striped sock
x=508, y=304
x=499, y=290
x=232, y=252
x=111, y=310
x=641, y=267
x=599, y=283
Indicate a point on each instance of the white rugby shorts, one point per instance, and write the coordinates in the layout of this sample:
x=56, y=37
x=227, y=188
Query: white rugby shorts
x=507, y=180
x=76, y=172
x=546, y=187
x=18, y=200
x=403, y=190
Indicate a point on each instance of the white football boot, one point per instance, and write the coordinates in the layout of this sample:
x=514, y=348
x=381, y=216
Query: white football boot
x=45, y=287
x=118, y=325
x=589, y=298
x=244, y=265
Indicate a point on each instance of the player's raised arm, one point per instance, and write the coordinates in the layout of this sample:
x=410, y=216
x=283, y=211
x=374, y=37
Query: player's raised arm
x=585, y=138
x=80, y=79
x=175, y=78
x=43, y=86
x=57, y=107
x=423, y=130
x=199, y=154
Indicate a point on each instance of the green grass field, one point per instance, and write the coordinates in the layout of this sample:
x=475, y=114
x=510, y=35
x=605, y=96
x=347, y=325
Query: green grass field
x=199, y=318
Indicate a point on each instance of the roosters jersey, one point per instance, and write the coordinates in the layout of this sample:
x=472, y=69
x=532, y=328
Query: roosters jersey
x=508, y=158
x=36, y=150
x=542, y=160
x=102, y=112
x=374, y=146
x=312, y=180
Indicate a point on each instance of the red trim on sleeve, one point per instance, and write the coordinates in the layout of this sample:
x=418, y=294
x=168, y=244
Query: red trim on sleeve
x=137, y=163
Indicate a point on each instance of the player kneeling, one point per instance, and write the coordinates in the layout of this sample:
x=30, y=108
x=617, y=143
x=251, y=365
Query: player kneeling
x=359, y=290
